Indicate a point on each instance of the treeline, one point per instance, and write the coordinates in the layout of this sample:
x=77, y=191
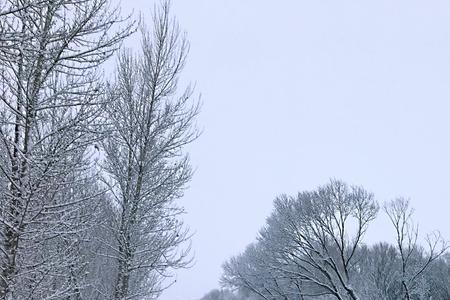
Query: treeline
x=312, y=247
x=90, y=168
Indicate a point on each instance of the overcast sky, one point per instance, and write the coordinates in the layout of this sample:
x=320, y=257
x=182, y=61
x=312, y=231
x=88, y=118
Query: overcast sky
x=296, y=92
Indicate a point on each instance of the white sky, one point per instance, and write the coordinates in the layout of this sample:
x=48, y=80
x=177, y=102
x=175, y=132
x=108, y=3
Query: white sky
x=296, y=92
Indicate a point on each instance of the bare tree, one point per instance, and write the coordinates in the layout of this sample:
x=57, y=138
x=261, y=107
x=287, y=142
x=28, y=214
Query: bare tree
x=438, y=275
x=145, y=165
x=311, y=240
x=415, y=260
x=377, y=272
x=50, y=53
x=252, y=271
x=311, y=247
x=224, y=295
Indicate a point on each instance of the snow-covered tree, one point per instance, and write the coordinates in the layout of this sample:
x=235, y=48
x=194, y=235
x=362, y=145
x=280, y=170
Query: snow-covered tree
x=308, y=246
x=145, y=164
x=50, y=54
x=224, y=295
x=312, y=248
x=438, y=277
x=377, y=272
x=414, y=259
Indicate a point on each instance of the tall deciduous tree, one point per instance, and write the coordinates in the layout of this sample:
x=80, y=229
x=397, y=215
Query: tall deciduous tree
x=414, y=259
x=310, y=243
x=145, y=164
x=312, y=248
x=50, y=52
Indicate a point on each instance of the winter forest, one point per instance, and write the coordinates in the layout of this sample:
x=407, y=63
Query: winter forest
x=95, y=129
